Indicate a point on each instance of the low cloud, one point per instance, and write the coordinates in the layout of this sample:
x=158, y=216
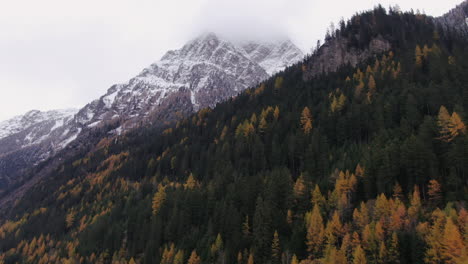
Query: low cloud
x=60, y=54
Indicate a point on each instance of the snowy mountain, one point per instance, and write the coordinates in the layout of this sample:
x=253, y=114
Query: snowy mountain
x=27, y=139
x=39, y=123
x=273, y=56
x=34, y=128
x=205, y=71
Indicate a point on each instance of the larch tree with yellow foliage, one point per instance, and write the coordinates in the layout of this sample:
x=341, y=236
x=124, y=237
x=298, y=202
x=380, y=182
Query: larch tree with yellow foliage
x=434, y=237
x=158, y=199
x=315, y=233
x=418, y=54
x=278, y=83
x=359, y=256
x=453, y=249
x=450, y=126
x=317, y=197
x=300, y=187
x=262, y=126
x=457, y=125
x=251, y=259
x=306, y=120
x=393, y=253
x=70, y=219
x=294, y=259
x=371, y=85
x=276, y=113
x=415, y=209
x=179, y=257
x=191, y=183
x=275, y=249
x=434, y=192
x=194, y=258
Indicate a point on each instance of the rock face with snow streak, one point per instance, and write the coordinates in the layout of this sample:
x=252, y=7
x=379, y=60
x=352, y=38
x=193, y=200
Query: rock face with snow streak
x=205, y=71
x=202, y=73
x=33, y=128
x=273, y=56
x=27, y=139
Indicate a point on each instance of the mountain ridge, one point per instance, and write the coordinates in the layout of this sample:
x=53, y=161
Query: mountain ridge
x=206, y=70
x=366, y=164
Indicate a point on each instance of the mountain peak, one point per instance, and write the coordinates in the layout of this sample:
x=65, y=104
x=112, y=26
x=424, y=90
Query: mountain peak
x=208, y=37
x=205, y=71
x=273, y=55
x=209, y=68
x=38, y=124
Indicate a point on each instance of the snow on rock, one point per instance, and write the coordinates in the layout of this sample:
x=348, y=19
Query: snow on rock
x=35, y=118
x=205, y=71
x=69, y=139
x=28, y=139
x=273, y=56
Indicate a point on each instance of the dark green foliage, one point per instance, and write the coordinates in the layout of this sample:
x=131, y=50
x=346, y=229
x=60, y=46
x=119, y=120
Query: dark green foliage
x=393, y=136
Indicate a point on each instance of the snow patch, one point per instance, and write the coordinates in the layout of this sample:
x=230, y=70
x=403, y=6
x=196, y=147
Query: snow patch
x=109, y=99
x=58, y=123
x=94, y=123
x=67, y=141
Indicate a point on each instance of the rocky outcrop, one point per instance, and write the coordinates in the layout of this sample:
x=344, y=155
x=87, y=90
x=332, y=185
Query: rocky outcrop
x=35, y=128
x=336, y=52
x=456, y=19
x=30, y=138
x=273, y=56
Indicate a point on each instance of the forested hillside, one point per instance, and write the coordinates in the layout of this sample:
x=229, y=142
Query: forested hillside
x=368, y=164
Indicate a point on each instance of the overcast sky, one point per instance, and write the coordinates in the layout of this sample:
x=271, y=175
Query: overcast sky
x=63, y=53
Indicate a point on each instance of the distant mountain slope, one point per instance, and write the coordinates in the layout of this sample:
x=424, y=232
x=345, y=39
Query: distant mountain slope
x=273, y=56
x=204, y=72
x=456, y=19
x=27, y=139
x=363, y=164
x=32, y=128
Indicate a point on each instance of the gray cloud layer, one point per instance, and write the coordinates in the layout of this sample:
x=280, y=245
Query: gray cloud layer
x=60, y=54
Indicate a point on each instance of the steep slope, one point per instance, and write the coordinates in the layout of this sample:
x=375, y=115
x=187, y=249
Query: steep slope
x=362, y=40
x=31, y=118
x=273, y=56
x=365, y=164
x=205, y=71
x=456, y=19
x=27, y=139
x=31, y=128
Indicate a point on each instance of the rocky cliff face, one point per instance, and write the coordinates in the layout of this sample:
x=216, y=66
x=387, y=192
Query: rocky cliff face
x=27, y=139
x=456, y=19
x=33, y=128
x=273, y=56
x=205, y=71
x=202, y=73
x=337, y=52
